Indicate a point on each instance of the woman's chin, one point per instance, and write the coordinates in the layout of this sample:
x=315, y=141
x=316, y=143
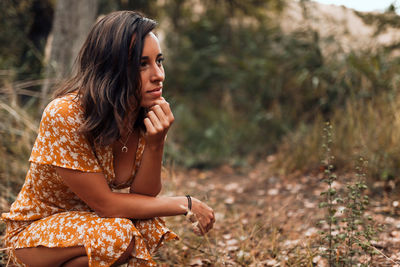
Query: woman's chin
x=147, y=104
x=150, y=103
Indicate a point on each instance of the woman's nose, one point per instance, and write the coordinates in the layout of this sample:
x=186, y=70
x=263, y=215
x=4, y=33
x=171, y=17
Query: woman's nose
x=158, y=73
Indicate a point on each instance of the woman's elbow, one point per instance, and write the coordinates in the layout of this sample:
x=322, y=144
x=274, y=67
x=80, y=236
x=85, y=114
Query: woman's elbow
x=103, y=212
x=156, y=191
x=105, y=209
x=108, y=213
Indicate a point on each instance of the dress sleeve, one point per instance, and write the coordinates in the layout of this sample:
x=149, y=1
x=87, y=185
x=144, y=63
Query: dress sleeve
x=59, y=143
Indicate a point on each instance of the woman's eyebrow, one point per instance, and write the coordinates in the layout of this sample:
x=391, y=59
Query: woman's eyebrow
x=147, y=58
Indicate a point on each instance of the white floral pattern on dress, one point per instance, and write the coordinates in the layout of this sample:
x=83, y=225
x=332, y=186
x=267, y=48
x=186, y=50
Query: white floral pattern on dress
x=47, y=213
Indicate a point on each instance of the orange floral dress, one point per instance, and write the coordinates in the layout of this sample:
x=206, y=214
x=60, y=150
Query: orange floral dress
x=47, y=213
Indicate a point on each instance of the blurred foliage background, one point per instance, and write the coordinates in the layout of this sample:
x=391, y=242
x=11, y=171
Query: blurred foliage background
x=241, y=87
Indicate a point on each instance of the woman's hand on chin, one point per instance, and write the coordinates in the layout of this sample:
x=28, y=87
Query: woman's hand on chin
x=158, y=120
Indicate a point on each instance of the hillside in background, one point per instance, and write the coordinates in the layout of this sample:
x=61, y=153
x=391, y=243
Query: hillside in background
x=340, y=28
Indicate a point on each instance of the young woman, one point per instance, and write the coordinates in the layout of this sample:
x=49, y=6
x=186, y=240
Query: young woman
x=104, y=130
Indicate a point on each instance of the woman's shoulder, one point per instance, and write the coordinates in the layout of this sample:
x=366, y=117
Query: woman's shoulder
x=65, y=103
x=64, y=109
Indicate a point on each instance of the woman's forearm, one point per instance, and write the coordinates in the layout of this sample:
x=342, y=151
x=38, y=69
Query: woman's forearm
x=93, y=189
x=157, y=122
x=148, y=178
x=136, y=206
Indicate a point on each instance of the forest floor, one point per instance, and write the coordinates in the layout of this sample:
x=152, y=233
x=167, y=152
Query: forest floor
x=264, y=219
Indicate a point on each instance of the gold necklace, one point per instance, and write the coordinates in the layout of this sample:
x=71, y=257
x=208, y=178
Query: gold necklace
x=124, y=147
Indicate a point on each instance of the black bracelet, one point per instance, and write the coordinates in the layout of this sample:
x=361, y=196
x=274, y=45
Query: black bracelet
x=189, y=204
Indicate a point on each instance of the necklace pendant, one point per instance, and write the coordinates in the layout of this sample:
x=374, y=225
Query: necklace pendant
x=124, y=149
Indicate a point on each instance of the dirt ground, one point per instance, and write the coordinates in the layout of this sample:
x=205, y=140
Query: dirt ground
x=268, y=220
x=264, y=219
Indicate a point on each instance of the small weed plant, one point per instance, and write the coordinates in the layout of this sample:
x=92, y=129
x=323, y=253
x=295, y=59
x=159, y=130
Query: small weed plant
x=329, y=235
x=347, y=229
x=359, y=230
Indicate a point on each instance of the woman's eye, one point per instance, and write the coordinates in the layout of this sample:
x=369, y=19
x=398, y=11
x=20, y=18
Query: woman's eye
x=160, y=61
x=143, y=64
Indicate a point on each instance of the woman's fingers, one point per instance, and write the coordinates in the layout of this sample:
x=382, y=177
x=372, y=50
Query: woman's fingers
x=158, y=125
x=161, y=116
x=207, y=222
x=167, y=111
x=210, y=224
x=158, y=120
x=206, y=227
x=204, y=215
x=165, y=107
x=149, y=126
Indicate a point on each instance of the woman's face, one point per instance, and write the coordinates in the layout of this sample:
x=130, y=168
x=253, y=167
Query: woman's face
x=151, y=71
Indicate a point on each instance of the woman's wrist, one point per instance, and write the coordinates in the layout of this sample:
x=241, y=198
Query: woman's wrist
x=156, y=147
x=184, y=205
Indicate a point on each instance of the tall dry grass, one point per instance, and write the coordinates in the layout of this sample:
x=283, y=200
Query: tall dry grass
x=368, y=128
x=18, y=130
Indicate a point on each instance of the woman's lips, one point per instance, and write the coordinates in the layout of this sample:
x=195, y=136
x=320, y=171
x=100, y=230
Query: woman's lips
x=155, y=92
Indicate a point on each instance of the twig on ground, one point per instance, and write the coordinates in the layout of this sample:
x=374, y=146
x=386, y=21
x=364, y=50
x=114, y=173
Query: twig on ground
x=380, y=252
x=197, y=248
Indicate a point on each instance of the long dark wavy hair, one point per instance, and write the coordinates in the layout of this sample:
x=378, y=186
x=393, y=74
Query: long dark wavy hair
x=107, y=79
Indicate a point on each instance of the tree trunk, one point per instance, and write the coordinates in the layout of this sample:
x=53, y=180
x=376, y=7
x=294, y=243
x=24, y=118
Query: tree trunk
x=72, y=22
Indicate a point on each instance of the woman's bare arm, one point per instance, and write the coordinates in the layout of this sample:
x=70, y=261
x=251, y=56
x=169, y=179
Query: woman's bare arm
x=93, y=189
x=148, y=177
